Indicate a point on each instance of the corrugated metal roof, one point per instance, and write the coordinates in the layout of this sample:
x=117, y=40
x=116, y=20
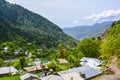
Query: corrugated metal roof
x=77, y=69
x=27, y=75
x=6, y=70
x=72, y=76
x=51, y=77
x=84, y=59
x=89, y=72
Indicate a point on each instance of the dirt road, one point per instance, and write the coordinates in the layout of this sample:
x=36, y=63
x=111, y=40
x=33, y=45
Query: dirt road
x=114, y=68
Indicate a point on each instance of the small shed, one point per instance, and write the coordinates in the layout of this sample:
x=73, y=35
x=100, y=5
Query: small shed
x=62, y=61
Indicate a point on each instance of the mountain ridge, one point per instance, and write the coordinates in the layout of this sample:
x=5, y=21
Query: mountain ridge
x=80, y=32
x=38, y=29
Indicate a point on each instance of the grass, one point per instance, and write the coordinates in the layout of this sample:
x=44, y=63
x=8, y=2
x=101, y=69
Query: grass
x=118, y=79
x=11, y=78
x=64, y=66
x=118, y=64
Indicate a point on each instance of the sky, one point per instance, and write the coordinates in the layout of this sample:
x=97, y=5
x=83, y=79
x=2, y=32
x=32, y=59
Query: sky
x=70, y=13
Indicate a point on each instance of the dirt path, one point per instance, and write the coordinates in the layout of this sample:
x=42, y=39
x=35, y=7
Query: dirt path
x=114, y=68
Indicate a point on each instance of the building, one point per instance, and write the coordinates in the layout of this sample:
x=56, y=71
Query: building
x=16, y=51
x=33, y=68
x=62, y=61
x=7, y=70
x=85, y=72
x=5, y=49
x=92, y=62
x=72, y=76
x=29, y=76
x=37, y=62
x=51, y=77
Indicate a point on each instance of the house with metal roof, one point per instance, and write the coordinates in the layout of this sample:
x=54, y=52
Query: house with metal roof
x=33, y=68
x=29, y=76
x=92, y=62
x=86, y=71
x=51, y=77
x=72, y=76
x=7, y=70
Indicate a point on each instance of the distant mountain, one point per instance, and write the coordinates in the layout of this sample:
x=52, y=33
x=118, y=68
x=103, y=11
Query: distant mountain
x=21, y=25
x=80, y=32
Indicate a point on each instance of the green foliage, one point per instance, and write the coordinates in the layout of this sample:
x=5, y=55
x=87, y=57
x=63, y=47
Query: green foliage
x=118, y=79
x=23, y=62
x=17, y=64
x=111, y=46
x=53, y=65
x=11, y=78
x=1, y=62
x=61, y=51
x=71, y=59
x=89, y=47
x=1, y=54
x=23, y=26
x=51, y=57
x=33, y=57
x=74, y=62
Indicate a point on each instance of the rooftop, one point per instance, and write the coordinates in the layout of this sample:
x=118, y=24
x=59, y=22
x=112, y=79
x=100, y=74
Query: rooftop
x=33, y=68
x=95, y=60
x=62, y=61
x=51, y=77
x=72, y=76
x=89, y=72
x=6, y=70
x=28, y=75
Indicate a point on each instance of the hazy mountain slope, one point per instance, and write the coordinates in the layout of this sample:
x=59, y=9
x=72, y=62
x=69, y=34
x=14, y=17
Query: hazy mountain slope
x=17, y=23
x=81, y=32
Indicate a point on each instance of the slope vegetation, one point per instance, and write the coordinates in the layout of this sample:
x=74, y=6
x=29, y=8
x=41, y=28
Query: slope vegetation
x=18, y=23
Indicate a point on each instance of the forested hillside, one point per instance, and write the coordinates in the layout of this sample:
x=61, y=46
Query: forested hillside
x=20, y=24
x=111, y=38
x=81, y=32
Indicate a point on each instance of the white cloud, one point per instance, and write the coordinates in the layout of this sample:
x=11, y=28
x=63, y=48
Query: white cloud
x=105, y=15
x=75, y=22
x=11, y=1
x=14, y=1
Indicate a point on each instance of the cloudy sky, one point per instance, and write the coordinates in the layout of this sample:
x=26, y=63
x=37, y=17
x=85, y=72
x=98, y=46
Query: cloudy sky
x=70, y=13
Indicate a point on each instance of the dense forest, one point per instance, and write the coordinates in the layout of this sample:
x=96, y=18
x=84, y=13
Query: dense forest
x=111, y=41
x=23, y=26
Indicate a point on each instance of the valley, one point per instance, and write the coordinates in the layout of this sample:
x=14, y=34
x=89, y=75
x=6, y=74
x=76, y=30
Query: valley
x=34, y=48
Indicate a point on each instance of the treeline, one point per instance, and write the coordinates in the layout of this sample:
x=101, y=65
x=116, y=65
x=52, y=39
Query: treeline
x=89, y=47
